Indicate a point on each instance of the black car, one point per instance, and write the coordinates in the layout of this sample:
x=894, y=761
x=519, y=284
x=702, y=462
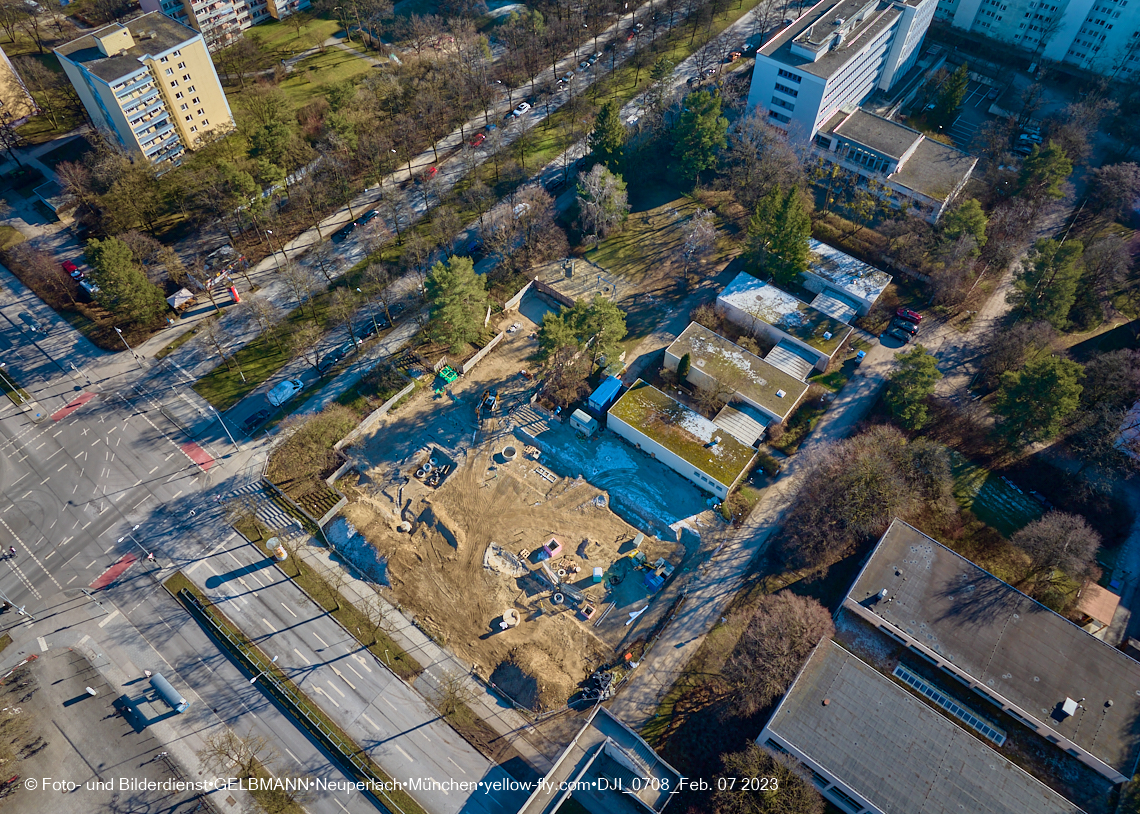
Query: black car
x=396, y=308
x=473, y=247
x=903, y=325
x=347, y=349
x=555, y=185
x=897, y=333
x=367, y=216
x=367, y=328
x=329, y=362
x=254, y=421
x=343, y=232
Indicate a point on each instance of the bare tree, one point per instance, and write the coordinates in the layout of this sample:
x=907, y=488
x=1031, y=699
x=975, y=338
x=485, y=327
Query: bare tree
x=267, y=314
x=782, y=631
x=792, y=792
x=326, y=257
x=455, y=693
x=300, y=282
x=602, y=201
x=304, y=343
x=700, y=242
x=212, y=336
x=227, y=750
x=1060, y=546
x=343, y=305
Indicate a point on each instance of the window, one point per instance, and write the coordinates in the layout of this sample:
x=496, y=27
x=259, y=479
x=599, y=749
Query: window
x=779, y=116
x=787, y=90
x=781, y=103
x=771, y=744
x=191, y=89
x=205, y=123
x=178, y=95
x=163, y=59
x=189, y=118
x=169, y=71
x=181, y=66
x=184, y=106
x=177, y=54
x=789, y=75
x=196, y=100
x=185, y=77
x=845, y=801
x=173, y=83
x=193, y=129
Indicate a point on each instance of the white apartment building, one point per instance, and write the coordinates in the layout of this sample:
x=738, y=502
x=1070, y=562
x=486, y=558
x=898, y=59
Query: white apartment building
x=148, y=84
x=834, y=56
x=1102, y=36
x=222, y=21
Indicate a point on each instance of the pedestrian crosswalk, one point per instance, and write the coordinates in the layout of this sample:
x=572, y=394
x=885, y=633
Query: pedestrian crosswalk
x=270, y=513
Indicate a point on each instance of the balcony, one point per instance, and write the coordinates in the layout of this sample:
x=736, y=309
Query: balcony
x=138, y=84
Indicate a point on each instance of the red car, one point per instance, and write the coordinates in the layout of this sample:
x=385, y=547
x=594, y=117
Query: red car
x=71, y=269
x=431, y=173
x=909, y=315
x=479, y=139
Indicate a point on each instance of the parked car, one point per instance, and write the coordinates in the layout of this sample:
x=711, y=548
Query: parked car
x=521, y=209
x=473, y=247
x=909, y=315
x=367, y=216
x=343, y=232
x=478, y=140
x=629, y=37
x=396, y=308
x=583, y=64
x=521, y=109
x=33, y=324
x=430, y=173
x=254, y=421
x=283, y=391
x=735, y=55
x=903, y=325
x=638, y=27
x=555, y=185
x=594, y=57
x=566, y=78
x=899, y=334
x=72, y=270
x=329, y=361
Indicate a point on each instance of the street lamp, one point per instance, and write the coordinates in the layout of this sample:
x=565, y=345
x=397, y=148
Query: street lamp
x=130, y=534
x=263, y=672
x=273, y=251
x=223, y=423
x=119, y=331
x=11, y=385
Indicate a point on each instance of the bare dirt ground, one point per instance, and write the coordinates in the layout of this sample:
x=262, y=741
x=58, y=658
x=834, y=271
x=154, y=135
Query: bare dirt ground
x=447, y=571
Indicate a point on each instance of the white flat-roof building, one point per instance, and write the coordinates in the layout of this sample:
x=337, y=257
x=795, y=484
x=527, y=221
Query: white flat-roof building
x=1096, y=35
x=833, y=272
x=794, y=325
x=833, y=57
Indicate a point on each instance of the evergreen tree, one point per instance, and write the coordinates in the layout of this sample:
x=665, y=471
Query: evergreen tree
x=124, y=289
x=597, y=323
x=909, y=386
x=952, y=94
x=607, y=139
x=779, y=233
x=1033, y=402
x=1044, y=172
x=699, y=134
x=1046, y=286
x=965, y=219
x=684, y=366
x=458, y=302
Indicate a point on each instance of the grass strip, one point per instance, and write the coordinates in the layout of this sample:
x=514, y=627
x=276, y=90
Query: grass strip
x=5, y=640
x=335, y=740
x=178, y=342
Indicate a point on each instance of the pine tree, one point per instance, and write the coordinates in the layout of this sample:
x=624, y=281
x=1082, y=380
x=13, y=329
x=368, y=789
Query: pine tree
x=952, y=95
x=699, y=134
x=790, y=241
x=123, y=288
x=458, y=302
x=909, y=386
x=607, y=139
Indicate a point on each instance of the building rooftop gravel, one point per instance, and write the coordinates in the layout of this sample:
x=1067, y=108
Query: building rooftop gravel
x=153, y=34
x=1019, y=649
x=881, y=135
x=846, y=273
x=683, y=432
x=782, y=310
x=895, y=751
x=735, y=367
x=934, y=169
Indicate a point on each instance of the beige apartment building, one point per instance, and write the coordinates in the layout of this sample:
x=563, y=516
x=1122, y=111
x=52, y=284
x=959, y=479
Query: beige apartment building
x=150, y=85
x=16, y=104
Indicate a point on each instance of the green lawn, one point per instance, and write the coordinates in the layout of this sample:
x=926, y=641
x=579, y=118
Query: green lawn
x=9, y=237
x=259, y=360
x=279, y=36
x=648, y=239
x=994, y=501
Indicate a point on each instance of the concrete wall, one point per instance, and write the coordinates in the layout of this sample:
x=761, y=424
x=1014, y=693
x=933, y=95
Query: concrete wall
x=678, y=464
x=478, y=357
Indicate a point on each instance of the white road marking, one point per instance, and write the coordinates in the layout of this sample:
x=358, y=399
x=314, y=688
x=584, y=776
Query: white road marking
x=336, y=689
x=92, y=563
x=362, y=662
x=358, y=675
x=62, y=468
x=72, y=579
x=271, y=627
x=389, y=703
x=108, y=618
x=48, y=458
x=402, y=752
x=42, y=642
x=342, y=678
x=290, y=754
x=49, y=556
x=326, y=695
x=322, y=641
x=151, y=472
x=456, y=765
x=301, y=656
x=370, y=721
x=45, y=480
x=286, y=607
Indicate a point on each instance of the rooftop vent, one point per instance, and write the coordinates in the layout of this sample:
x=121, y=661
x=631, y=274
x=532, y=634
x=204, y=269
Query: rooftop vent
x=882, y=594
x=780, y=394
x=1070, y=707
x=827, y=334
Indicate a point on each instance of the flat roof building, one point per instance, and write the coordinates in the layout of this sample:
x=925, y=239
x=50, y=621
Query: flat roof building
x=222, y=21
x=149, y=85
x=757, y=306
x=719, y=364
x=833, y=57
x=838, y=273
x=1069, y=687
x=912, y=169
x=685, y=441
x=870, y=746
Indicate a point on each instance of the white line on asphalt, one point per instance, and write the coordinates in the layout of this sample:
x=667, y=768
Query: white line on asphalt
x=66, y=540
x=151, y=472
x=49, y=556
x=425, y=737
x=342, y=678
x=48, y=458
x=389, y=703
x=370, y=721
x=456, y=765
x=25, y=497
x=108, y=551
x=17, y=480
x=178, y=493
x=338, y=802
x=76, y=489
x=358, y=675
x=322, y=641
x=360, y=659
x=62, y=468
x=301, y=656
x=271, y=627
x=286, y=607
x=45, y=480
x=290, y=754
x=72, y=579
x=92, y=563
x=326, y=695
x=110, y=616
x=42, y=642
x=338, y=692
x=402, y=752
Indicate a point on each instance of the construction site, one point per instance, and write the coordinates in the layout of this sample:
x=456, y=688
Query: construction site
x=527, y=574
